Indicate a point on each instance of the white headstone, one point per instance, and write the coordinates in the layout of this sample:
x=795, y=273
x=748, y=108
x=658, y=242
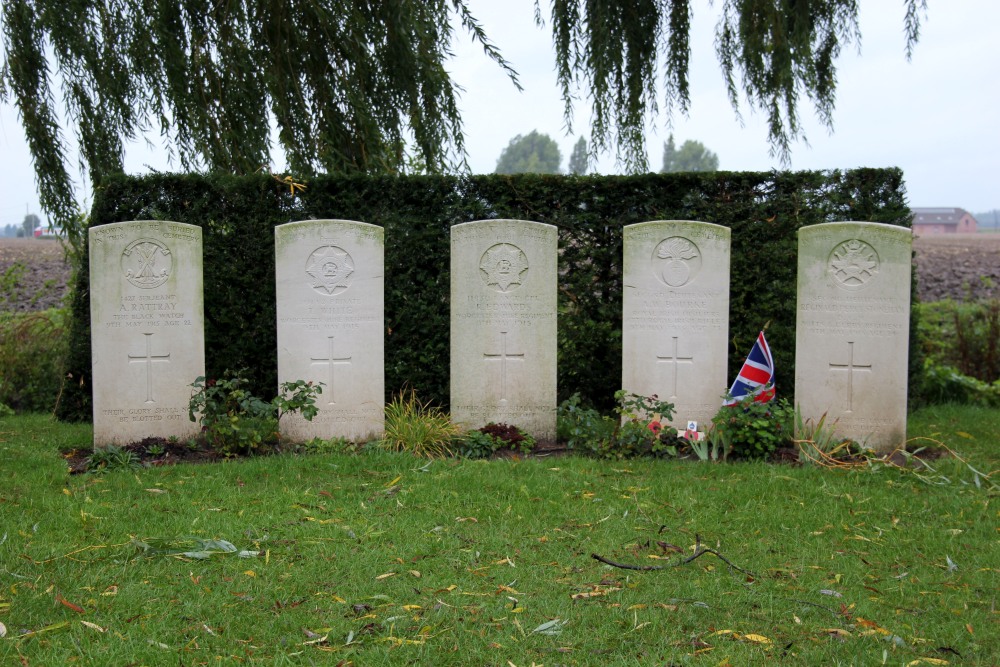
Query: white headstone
x=503, y=325
x=675, y=315
x=853, y=328
x=147, y=329
x=330, y=309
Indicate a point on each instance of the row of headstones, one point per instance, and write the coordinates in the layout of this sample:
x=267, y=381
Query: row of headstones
x=147, y=324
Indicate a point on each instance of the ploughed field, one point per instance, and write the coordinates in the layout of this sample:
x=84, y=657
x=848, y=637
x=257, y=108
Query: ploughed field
x=957, y=266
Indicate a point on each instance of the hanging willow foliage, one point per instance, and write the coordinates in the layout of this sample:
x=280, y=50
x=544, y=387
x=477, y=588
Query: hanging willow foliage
x=360, y=86
x=618, y=51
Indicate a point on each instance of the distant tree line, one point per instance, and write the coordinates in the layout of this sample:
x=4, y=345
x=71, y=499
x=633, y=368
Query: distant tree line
x=27, y=227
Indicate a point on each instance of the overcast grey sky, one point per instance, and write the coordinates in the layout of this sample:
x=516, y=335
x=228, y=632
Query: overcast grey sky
x=936, y=116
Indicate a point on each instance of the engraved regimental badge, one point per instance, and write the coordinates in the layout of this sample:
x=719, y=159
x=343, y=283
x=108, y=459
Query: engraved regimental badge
x=330, y=269
x=676, y=261
x=853, y=264
x=146, y=263
x=503, y=266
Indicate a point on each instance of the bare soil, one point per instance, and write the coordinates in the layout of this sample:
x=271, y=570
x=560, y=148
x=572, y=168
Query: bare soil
x=962, y=267
x=34, y=274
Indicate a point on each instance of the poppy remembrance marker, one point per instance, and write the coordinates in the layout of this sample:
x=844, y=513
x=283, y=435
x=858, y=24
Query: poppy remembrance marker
x=853, y=328
x=330, y=313
x=675, y=316
x=503, y=325
x=147, y=329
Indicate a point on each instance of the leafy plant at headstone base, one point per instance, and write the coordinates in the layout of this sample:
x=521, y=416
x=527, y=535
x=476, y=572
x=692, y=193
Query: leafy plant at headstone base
x=643, y=430
x=580, y=428
x=639, y=430
x=713, y=447
x=418, y=428
x=339, y=445
x=755, y=430
x=497, y=436
x=818, y=443
x=108, y=459
x=234, y=421
x=475, y=445
x=33, y=349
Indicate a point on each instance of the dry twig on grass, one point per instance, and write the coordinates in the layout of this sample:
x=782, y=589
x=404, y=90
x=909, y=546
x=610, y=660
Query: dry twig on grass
x=699, y=551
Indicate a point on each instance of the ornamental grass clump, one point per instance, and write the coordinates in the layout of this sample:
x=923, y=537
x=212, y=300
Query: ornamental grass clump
x=418, y=428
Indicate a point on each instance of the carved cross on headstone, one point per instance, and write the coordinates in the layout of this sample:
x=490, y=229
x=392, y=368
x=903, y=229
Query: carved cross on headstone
x=673, y=360
x=333, y=361
x=502, y=357
x=149, y=359
x=850, y=367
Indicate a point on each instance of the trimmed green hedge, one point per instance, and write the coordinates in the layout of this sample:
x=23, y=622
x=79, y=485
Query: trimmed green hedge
x=238, y=214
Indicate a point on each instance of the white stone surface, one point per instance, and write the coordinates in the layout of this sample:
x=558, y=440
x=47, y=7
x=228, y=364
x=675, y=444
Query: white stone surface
x=330, y=309
x=147, y=329
x=503, y=325
x=853, y=328
x=675, y=315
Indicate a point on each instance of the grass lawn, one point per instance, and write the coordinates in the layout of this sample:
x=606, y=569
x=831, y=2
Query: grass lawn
x=387, y=559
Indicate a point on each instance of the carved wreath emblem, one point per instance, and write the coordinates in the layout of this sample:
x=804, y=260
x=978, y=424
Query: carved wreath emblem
x=503, y=266
x=146, y=263
x=676, y=261
x=853, y=263
x=330, y=269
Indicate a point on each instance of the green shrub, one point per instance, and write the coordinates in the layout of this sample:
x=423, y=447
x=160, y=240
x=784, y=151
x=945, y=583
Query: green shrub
x=580, y=428
x=944, y=384
x=755, y=430
x=33, y=350
x=964, y=335
x=235, y=422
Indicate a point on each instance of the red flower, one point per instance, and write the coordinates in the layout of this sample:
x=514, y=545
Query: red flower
x=655, y=427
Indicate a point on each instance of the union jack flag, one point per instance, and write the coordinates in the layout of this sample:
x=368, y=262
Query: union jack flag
x=756, y=377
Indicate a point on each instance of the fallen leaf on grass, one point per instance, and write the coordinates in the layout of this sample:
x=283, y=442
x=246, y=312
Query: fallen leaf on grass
x=385, y=576
x=827, y=591
x=92, y=626
x=66, y=603
x=757, y=639
x=553, y=627
x=927, y=661
x=3, y=630
x=595, y=593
